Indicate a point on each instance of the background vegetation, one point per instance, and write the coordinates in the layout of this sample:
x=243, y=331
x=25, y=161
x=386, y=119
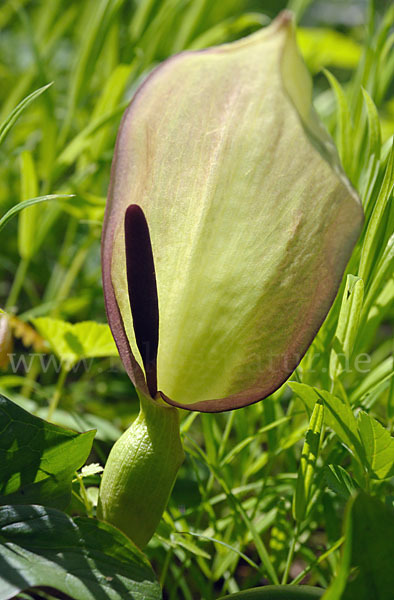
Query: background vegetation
x=230, y=523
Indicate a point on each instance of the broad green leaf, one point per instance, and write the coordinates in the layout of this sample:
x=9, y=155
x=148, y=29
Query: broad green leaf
x=83, y=558
x=31, y=202
x=338, y=415
x=37, y=459
x=366, y=570
x=73, y=342
x=306, y=393
x=340, y=481
x=378, y=445
x=278, y=592
x=13, y=116
x=236, y=154
x=106, y=430
x=347, y=327
x=27, y=227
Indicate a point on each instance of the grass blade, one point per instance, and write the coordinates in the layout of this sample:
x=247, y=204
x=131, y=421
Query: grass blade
x=12, y=117
x=308, y=462
x=26, y=203
x=347, y=327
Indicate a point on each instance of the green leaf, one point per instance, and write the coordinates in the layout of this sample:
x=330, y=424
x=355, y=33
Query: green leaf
x=347, y=327
x=338, y=415
x=73, y=342
x=382, y=271
x=307, y=462
x=340, y=481
x=106, y=430
x=372, y=239
x=107, y=104
x=179, y=539
x=94, y=33
x=367, y=554
x=26, y=203
x=37, y=459
x=83, y=558
x=87, y=207
x=379, y=311
x=378, y=445
x=344, y=128
x=373, y=381
x=12, y=117
x=375, y=136
x=235, y=450
x=278, y=592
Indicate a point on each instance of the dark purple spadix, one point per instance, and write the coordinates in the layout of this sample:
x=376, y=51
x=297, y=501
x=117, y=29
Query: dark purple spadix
x=141, y=281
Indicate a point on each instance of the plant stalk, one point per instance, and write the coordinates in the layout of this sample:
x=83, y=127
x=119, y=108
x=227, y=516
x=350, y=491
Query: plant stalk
x=140, y=472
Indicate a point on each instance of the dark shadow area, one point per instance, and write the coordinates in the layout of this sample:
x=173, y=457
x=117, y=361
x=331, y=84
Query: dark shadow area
x=83, y=549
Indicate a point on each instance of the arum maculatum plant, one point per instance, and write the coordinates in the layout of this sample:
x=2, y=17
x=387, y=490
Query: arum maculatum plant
x=228, y=228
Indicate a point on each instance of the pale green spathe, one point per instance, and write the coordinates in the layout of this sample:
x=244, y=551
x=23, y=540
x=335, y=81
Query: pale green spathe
x=251, y=219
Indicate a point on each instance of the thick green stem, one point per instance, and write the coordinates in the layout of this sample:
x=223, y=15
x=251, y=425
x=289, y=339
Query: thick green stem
x=140, y=472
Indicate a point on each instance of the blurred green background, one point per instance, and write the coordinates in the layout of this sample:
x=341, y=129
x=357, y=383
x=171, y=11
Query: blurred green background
x=96, y=52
